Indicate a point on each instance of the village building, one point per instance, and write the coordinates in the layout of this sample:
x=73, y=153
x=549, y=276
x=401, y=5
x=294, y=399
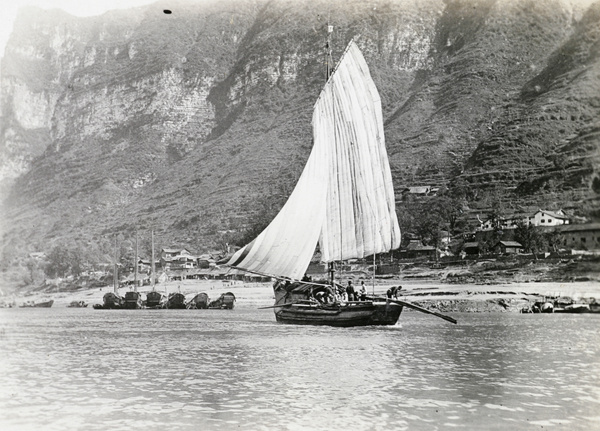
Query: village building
x=548, y=218
x=508, y=247
x=472, y=248
x=420, y=191
x=182, y=262
x=580, y=236
x=540, y=218
x=145, y=265
x=176, y=258
x=205, y=261
x=416, y=249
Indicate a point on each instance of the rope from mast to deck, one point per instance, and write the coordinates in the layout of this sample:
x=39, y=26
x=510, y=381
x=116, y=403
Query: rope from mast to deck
x=278, y=277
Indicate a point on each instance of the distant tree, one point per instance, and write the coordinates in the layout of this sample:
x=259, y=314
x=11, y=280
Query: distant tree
x=553, y=240
x=529, y=237
x=429, y=223
x=449, y=208
x=406, y=212
x=76, y=262
x=494, y=208
x=35, y=273
x=59, y=262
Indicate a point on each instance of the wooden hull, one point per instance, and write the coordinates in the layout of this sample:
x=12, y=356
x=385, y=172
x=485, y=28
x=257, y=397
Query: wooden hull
x=342, y=315
x=176, y=301
x=574, y=309
x=199, y=302
x=155, y=299
x=46, y=304
x=133, y=301
x=112, y=301
x=225, y=302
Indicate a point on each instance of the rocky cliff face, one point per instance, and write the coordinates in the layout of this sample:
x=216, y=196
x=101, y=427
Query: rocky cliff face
x=188, y=123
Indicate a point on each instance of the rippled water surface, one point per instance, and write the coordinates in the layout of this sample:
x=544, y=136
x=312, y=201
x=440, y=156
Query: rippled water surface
x=85, y=369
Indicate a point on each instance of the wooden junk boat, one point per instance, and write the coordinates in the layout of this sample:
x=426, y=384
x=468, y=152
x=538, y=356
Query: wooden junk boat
x=44, y=304
x=315, y=304
x=155, y=299
x=225, y=302
x=133, y=300
x=176, y=300
x=343, y=201
x=112, y=300
x=198, y=302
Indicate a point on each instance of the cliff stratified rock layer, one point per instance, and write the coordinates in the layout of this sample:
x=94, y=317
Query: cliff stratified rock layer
x=187, y=123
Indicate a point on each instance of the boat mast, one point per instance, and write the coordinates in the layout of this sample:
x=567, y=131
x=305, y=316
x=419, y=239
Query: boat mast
x=135, y=276
x=153, y=275
x=374, y=269
x=115, y=270
x=329, y=68
x=329, y=63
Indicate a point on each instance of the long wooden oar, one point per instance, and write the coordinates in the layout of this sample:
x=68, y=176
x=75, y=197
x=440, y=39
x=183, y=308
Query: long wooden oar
x=421, y=309
x=277, y=306
x=302, y=301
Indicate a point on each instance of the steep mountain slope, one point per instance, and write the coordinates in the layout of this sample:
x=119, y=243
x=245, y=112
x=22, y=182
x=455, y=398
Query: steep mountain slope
x=545, y=143
x=196, y=122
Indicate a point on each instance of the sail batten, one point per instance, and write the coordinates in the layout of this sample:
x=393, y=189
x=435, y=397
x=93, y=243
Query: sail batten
x=344, y=199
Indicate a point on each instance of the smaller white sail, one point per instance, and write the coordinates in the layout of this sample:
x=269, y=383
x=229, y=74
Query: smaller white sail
x=288, y=243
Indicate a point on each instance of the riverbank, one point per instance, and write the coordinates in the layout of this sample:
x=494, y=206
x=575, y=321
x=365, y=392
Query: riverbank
x=430, y=294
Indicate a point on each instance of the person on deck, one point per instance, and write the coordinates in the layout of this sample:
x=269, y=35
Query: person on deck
x=350, y=291
x=393, y=291
x=363, y=291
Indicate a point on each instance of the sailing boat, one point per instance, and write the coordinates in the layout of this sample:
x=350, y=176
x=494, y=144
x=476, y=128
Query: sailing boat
x=343, y=201
x=112, y=300
x=154, y=299
x=133, y=299
x=176, y=300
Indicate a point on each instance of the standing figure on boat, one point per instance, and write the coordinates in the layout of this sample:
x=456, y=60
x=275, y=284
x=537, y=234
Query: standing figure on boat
x=363, y=291
x=350, y=291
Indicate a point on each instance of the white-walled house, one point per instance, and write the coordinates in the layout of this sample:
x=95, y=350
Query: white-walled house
x=540, y=218
x=548, y=218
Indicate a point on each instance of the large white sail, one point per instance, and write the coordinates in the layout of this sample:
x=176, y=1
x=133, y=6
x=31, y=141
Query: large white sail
x=344, y=198
x=360, y=208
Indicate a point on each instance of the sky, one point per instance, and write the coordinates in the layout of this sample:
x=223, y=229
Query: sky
x=9, y=10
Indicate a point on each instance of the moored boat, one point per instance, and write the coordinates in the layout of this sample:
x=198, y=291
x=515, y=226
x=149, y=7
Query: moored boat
x=225, y=302
x=133, y=300
x=112, y=301
x=199, y=301
x=44, y=304
x=77, y=304
x=574, y=309
x=176, y=300
x=155, y=299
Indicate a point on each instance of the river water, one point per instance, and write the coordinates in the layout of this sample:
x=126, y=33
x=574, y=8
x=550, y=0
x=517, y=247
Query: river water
x=85, y=369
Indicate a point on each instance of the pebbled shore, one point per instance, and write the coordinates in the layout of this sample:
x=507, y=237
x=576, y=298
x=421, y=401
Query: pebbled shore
x=430, y=294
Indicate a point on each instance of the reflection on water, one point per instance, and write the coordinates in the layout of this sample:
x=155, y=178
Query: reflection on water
x=74, y=369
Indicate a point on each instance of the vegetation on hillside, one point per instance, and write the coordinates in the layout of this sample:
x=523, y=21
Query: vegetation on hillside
x=197, y=124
